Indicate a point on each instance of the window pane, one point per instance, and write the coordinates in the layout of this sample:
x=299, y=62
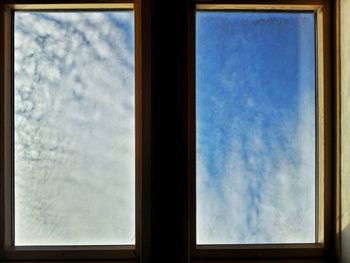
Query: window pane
x=74, y=128
x=255, y=127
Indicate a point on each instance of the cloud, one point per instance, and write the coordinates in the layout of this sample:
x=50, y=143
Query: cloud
x=267, y=199
x=255, y=129
x=74, y=128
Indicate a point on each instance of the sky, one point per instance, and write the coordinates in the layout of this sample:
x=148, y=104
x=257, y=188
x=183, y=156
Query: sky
x=74, y=128
x=255, y=127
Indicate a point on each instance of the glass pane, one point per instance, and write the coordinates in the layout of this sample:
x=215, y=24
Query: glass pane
x=255, y=117
x=74, y=128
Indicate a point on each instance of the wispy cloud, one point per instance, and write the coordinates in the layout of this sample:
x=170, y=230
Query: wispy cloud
x=74, y=128
x=255, y=128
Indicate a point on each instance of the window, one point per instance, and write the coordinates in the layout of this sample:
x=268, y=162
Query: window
x=74, y=128
x=72, y=100
x=255, y=104
x=257, y=132
x=168, y=101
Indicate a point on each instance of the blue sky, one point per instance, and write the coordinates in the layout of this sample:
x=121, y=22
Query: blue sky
x=255, y=106
x=74, y=128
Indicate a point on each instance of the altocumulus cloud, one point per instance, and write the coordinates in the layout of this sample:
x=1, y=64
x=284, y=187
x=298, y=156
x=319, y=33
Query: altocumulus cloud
x=74, y=132
x=255, y=128
x=74, y=128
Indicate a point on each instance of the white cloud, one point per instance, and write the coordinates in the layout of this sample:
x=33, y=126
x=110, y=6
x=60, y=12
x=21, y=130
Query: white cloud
x=240, y=207
x=265, y=192
x=74, y=129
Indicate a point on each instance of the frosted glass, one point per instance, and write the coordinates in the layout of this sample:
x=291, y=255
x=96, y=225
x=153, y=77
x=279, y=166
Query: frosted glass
x=74, y=132
x=255, y=127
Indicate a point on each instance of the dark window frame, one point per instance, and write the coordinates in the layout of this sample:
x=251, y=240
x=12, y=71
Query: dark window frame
x=8, y=251
x=324, y=224
x=165, y=188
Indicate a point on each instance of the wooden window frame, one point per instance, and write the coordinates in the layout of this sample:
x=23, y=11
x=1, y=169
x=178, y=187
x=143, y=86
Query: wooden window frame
x=121, y=253
x=166, y=189
x=323, y=244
